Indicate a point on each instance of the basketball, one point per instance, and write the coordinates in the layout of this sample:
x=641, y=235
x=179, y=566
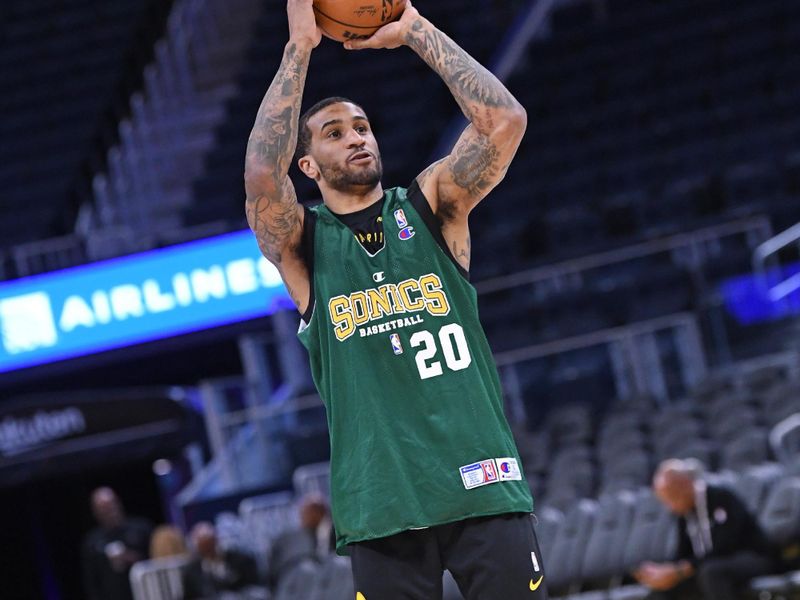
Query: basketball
x=344, y=20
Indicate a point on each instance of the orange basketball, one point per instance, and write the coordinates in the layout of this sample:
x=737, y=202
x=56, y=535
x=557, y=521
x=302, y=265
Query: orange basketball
x=344, y=20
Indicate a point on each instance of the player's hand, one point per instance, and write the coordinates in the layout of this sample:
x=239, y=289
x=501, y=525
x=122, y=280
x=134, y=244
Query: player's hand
x=391, y=35
x=302, y=24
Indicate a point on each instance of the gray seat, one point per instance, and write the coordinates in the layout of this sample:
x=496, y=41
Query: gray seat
x=730, y=425
x=570, y=424
x=746, y=450
x=334, y=580
x=653, y=535
x=780, y=518
x=701, y=450
x=672, y=436
x=755, y=483
x=603, y=559
x=565, y=556
x=578, y=479
x=781, y=403
x=548, y=521
x=634, y=468
x=784, y=440
x=611, y=448
x=299, y=582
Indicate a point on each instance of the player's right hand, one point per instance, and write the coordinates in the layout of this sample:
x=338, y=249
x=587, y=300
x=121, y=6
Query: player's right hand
x=302, y=24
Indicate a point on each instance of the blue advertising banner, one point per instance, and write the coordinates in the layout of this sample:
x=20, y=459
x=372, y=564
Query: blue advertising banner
x=137, y=298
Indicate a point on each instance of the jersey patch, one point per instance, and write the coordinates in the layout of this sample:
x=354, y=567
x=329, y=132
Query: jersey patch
x=479, y=474
x=508, y=469
x=397, y=347
x=406, y=233
x=400, y=218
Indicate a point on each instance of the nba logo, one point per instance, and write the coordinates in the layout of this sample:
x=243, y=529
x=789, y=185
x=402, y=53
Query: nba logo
x=397, y=347
x=488, y=470
x=400, y=217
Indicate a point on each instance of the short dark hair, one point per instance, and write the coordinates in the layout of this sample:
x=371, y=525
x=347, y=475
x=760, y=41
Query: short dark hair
x=304, y=133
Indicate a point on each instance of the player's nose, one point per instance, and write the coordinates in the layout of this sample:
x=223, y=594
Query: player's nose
x=354, y=138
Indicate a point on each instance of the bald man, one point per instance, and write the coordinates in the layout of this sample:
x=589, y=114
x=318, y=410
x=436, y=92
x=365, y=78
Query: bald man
x=110, y=550
x=214, y=571
x=720, y=545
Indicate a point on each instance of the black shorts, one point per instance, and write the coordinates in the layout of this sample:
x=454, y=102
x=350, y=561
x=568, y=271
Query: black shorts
x=490, y=558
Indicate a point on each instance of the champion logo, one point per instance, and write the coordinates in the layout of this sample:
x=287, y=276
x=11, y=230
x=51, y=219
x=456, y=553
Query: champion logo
x=378, y=277
x=406, y=233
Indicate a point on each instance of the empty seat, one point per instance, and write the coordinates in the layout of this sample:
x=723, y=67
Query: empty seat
x=728, y=425
x=333, y=580
x=754, y=484
x=747, y=449
x=780, y=518
x=565, y=556
x=653, y=535
x=604, y=555
x=569, y=425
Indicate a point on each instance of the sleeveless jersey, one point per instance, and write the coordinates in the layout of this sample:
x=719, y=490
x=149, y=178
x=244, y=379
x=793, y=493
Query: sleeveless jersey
x=413, y=399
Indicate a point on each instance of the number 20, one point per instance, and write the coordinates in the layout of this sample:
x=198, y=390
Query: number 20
x=447, y=335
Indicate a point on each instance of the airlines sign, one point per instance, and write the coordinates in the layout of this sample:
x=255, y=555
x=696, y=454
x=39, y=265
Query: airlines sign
x=136, y=298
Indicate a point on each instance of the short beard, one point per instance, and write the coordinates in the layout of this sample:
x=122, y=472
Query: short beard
x=344, y=180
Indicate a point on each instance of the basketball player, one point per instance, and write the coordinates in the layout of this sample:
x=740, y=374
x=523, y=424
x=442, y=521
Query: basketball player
x=424, y=471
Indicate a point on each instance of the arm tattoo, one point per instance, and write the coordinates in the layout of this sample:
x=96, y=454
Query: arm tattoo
x=271, y=205
x=472, y=85
x=462, y=253
x=474, y=165
x=482, y=155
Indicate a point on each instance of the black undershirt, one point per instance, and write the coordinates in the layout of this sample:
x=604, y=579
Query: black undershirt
x=367, y=227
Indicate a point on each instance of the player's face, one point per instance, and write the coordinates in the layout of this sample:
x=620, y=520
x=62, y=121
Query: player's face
x=344, y=148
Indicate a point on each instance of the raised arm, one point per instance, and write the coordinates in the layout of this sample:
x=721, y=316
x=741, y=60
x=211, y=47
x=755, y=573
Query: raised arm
x=273, y=212
x=481, y=156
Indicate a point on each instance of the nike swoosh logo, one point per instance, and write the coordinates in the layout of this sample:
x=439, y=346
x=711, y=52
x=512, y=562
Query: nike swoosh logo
x=535, y=586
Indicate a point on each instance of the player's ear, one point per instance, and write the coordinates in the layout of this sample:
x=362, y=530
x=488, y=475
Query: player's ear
x=308, y=166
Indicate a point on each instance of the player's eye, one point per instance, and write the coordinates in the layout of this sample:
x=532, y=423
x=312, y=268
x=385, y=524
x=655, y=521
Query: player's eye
x=333, y=133
x=362, y=129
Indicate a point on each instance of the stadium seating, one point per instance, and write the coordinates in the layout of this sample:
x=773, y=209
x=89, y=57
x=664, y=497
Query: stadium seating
x=79, y=58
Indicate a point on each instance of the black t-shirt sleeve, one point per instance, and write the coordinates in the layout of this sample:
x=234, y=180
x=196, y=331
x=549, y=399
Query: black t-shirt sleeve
x=432, y=222
x=307, y=253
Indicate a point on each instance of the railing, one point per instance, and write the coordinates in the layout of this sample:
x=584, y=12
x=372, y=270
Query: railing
x=780, y=289
x=686, y=247
x=782, y=432
x=159, y=579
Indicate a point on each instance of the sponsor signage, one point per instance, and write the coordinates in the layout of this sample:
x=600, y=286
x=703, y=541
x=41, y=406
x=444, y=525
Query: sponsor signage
x=134, y=299
x=54, y=433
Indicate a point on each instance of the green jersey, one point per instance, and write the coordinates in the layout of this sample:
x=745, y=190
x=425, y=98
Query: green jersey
x=413, y=399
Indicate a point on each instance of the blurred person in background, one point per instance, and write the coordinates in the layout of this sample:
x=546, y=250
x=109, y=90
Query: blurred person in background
x=167, y=541
x=720, y=544
x=112, y=548
x=313, y=540
x=214, y=572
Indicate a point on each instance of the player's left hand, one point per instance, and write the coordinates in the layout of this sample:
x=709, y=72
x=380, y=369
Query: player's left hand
x=391, y=35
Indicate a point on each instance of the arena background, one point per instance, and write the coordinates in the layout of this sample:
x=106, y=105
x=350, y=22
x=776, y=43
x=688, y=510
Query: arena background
x=638, y=268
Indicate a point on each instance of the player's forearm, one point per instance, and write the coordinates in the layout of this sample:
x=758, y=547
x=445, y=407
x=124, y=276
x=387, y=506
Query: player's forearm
x=274, y=136
x=484, y=100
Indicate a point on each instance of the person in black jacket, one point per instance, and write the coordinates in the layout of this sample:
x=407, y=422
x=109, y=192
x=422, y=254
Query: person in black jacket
x=720, y=545
x=213, y=571
x=111, y=549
